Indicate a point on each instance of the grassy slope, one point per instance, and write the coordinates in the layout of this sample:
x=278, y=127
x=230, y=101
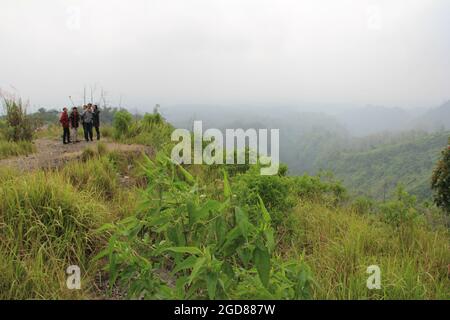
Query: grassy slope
x=381, y=169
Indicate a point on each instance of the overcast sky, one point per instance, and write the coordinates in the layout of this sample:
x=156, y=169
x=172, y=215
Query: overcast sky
x=271, y=52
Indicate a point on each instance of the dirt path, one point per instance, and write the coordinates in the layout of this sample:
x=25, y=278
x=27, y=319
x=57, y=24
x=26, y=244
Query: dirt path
x=52, y=153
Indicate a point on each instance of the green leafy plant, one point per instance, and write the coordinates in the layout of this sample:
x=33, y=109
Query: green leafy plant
x=183, y=245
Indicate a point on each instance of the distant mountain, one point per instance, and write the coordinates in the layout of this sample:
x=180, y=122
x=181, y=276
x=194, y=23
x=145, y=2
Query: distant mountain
x=374, y=119
x=304, y=136
x=435, y=119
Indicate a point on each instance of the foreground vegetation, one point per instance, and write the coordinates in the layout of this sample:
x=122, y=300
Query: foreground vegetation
x=16, y=130
x=143, y=227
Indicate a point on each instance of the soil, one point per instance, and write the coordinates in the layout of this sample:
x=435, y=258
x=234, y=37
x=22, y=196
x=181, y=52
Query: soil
x=51, y=153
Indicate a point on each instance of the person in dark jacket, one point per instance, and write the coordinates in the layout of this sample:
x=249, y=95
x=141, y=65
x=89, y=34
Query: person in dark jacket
x=64, y=120
x=96, y=121
x=74, y=120
x=82, y=119
x=88, y=121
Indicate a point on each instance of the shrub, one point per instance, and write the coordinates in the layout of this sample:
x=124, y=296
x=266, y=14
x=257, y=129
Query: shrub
x=19, y=126
x=363, y=205
x=273, y=190
x=121, y=123
x=315, y=188
x=401, y=210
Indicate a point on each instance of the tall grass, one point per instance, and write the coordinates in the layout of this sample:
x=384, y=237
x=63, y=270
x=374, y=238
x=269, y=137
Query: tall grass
x=11, y=149
x=340, y=244
x=45, y=226
x=96, y=175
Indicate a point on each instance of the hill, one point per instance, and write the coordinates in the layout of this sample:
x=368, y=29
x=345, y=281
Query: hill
x=376, y=172
x=435, y=119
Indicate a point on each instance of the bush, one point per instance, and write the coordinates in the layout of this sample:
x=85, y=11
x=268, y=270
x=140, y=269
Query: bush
x=400, y=211
x=121, y=123
x=19, y=126
x=363, y=205
x=275, y=191
x=315, y=188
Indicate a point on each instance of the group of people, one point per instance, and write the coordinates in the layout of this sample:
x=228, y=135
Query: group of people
x=89, y=118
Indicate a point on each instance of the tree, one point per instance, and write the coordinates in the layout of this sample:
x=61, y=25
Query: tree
x=440, y=181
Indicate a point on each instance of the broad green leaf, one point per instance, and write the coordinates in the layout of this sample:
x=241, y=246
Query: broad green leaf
x=189, y=178
x=185, y=264
x=198, y=213
x=262, y=263
x=197, y=268
x=265, y=213
x=211, y=284
x=242, y=221
x=220, y=229
x=231, y=238
x=226, y=185
x=270, y=239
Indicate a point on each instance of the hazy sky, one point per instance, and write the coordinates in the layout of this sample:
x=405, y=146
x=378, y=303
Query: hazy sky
x=277, y=52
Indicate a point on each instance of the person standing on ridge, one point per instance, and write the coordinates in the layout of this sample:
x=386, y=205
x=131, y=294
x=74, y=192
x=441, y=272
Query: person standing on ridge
x=82, y=120
x=96, y=121
x=64, y=120
x=74, y=120
x=88, y=121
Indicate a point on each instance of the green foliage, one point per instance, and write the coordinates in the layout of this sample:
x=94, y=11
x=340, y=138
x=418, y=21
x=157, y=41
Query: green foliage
x=401, y=210
x=45, y=226
x=182, y=244
x=339, y=243
x=318, y=188
x=96, y=176
x=273, y=190
x=18, y=125
x=151, y=130
x=10, y=148
x=45, y=117
x=281, y=193
x=107, y=131
x=121, y=123
x=440, y=181
x=363, y=205
x=376, y=172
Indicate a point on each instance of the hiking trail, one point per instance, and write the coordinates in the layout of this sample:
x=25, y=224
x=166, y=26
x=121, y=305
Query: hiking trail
x=52, y=153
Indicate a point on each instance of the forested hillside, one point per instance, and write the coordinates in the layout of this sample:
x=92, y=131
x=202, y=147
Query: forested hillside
x=378, y=171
